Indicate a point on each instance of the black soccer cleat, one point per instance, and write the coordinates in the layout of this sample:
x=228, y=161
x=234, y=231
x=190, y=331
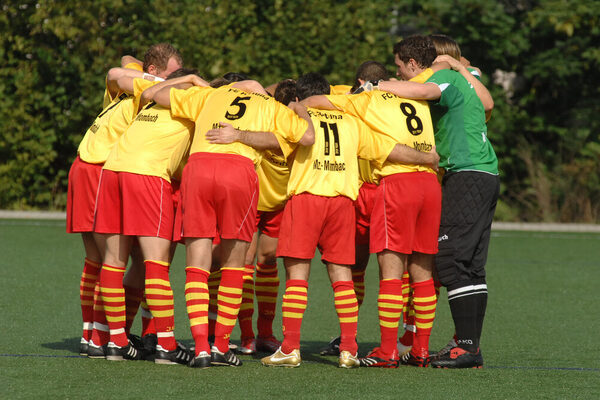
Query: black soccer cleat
x=202, y=360
x=94, y=351
x=377, y=358
x=116, y=353
x=224, y=359
x=458, y=358
x=333, y=348
x=414, y=361
x=149, y=343
x=83, y=347
x=178, y=356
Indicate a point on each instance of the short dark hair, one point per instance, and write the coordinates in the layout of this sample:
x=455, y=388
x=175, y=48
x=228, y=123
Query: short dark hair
x=235, y=76
x=159, y=56
x=311, y=84
x=285, y=91
x=218, y=82
x=418, y=47
x=182, y=72
x=370, y=71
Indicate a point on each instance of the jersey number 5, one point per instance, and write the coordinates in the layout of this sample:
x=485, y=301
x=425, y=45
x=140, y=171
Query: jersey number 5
x=336, y=137
x=238, y=102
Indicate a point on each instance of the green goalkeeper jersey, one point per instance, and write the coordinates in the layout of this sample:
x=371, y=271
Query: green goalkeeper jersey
x=460, y=130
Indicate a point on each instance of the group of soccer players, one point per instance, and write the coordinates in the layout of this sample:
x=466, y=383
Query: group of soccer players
x=238, y=172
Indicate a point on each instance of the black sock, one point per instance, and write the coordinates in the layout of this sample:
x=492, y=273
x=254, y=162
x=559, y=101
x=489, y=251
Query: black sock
x=463, y=305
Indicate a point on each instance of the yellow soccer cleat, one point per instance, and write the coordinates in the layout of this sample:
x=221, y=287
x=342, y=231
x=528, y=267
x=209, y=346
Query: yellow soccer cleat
x=348, y=360
x=280, y=359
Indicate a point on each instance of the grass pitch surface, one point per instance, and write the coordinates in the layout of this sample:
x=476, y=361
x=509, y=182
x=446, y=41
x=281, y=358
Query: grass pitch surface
x=540, y=337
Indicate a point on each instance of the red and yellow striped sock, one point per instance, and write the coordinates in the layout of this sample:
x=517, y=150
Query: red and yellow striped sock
x=425, y=302
x=346, y=306
x=405, y=295
x=358, y=277
x=133, y=298
x=292, y=309
x=148, y=327
x=247, y=306
x=87, y=283
x=389, y=305
x=214, y=279
x=408, y=312
x=159, y=297
x=100, y=335
x=113, y=297
x=266, y=288
x=196, y=300
x=229, y=300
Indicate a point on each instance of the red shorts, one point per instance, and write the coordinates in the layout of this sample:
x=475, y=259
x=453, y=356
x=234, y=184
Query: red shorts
x=269, y=222
x=178, y=223
x=135, y=205
x=219, y=195
x=326, y=223
x=406, y=214
x=81, y=195
x=363, y=205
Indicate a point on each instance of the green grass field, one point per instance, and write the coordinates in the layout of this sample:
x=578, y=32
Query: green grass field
x=539, y=339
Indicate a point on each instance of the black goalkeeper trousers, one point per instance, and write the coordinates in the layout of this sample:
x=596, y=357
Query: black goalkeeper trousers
x=468, y=204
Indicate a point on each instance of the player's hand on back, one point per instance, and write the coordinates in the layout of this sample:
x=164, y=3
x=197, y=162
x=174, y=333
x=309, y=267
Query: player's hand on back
x=224, y=135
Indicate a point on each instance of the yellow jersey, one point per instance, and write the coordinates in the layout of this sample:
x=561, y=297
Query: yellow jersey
x=110, y=124
x=404, y=121
x=207, y=107
x=273, y=176
x=154, y=144
x=340, y=89
x=107, y=97
x=330, y=167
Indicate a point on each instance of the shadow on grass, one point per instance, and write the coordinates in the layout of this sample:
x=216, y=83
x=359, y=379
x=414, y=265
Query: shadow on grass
x=69, y=344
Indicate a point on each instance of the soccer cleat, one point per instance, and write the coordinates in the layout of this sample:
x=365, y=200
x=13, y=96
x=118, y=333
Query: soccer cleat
x=248, y=346
x=178, y=356
x=116, y=353
x=377, y=358
x=202, y=360
x=348, y=360
x=280, y=359
x=149, y=343
x=402, y=349
x=94, y=351
x=267, y=344
x=446, y=349
x=414, y=361
x=458, y=358
x=83, y=347
x=224, y=359
x=333, y=348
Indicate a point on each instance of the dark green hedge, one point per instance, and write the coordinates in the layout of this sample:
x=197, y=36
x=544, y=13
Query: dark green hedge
x=545, y=127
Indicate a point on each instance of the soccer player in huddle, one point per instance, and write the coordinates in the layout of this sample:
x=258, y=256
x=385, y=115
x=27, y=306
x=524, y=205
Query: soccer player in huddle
x=135, y=200
x=470, y=188
x=219, y=197
x=84, y=176
x=404, y=220
x=273, y=176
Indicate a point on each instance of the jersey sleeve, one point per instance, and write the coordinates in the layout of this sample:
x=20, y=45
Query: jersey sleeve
x=287, y=124
x=188, y=103
x=353, y=104
x=139, y=85
x=373, y=146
